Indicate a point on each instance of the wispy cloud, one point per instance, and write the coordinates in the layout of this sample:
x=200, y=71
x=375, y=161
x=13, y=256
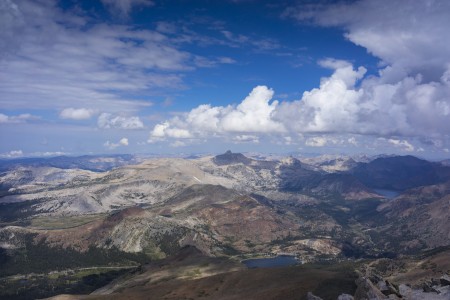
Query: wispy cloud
x=53, y=60
x=76, y=113
x=108, y=121
x=12, y=154
x=19, y=153
x=316, y=141
x=245, y=138
x=260, y=44
x=22, y=118
x=405, y=145
x=122, y=8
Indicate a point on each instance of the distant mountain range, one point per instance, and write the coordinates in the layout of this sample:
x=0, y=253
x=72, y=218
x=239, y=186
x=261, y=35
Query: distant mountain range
x=96, y=163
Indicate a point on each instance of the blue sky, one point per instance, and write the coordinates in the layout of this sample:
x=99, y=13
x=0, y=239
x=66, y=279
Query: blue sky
x=141, y=76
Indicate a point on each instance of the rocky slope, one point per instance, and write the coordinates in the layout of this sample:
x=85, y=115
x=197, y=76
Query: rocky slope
x=422, y=215
x=232, y=204
x=148, y=183
x=333, y=163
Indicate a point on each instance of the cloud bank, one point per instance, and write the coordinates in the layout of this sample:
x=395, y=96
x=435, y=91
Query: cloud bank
x=409, y=98
x=345, y=103
x=408, y=107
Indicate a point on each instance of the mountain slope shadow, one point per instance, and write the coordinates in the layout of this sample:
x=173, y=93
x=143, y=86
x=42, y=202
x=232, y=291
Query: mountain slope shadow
x=400, y=173
x=192, y=275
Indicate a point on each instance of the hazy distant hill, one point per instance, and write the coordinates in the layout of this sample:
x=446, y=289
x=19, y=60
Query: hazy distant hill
x=97, y=163
x=400, y=173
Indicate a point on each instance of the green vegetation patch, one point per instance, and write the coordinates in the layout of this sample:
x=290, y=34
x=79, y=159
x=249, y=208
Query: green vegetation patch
x=39, y=257
x=54, y=222
x=81, y=281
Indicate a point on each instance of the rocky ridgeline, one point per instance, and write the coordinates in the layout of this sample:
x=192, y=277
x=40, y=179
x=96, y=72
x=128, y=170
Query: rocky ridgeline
x=377, y=288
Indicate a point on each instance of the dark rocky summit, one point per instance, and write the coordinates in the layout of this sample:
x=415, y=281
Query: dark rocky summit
x=229, y=158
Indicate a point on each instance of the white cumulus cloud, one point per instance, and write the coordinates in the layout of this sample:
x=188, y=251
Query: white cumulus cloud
x=123, y=142
x=111, y=146
x=253, y=115
x=331, y=107
x=408, y=107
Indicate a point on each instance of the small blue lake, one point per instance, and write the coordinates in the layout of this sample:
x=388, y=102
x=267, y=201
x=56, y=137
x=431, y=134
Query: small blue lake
x=390, y=194
x=278, y=261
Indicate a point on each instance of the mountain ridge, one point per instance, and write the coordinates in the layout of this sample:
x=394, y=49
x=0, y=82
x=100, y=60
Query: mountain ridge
x=235, y=209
